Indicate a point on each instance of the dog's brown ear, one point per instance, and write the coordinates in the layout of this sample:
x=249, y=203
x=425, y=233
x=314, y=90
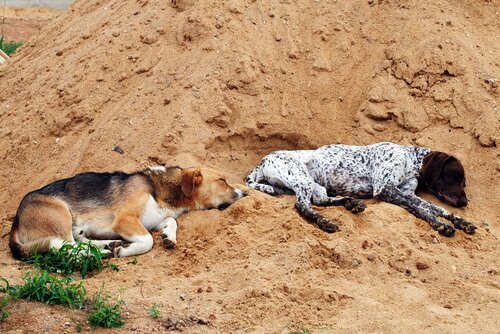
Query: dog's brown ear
x=190, y=179
x=432, y=167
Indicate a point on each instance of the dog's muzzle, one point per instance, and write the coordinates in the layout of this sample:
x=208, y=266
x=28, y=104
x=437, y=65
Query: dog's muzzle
x=239, y=194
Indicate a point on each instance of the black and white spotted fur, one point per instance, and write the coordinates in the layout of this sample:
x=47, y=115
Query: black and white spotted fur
x=386, y=171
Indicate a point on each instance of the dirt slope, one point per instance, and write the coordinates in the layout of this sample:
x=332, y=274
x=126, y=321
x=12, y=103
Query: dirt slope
x=23, y=22
x=221, y=83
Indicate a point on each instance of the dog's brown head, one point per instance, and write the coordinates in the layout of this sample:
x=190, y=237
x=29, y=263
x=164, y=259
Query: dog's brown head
x=444, y=176
x=208, y=189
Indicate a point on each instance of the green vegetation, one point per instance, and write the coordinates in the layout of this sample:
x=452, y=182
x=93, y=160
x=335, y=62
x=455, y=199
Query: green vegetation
x=83, y=257
x=301, y=331
x=50, y=290
x=4, y=302
x=106, y=313
x=78, y=326
x=154, y=312
x=9, y=47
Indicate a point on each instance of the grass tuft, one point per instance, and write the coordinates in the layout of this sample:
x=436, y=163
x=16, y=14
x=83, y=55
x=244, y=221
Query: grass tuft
x=154, y=312
x=302, y=331
x=83, y=257
x=4, y=302
x=106, y=312
x=9, y=47
x=50, y=290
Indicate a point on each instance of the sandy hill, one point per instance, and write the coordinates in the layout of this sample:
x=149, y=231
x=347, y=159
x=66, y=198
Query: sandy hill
x=221, y=83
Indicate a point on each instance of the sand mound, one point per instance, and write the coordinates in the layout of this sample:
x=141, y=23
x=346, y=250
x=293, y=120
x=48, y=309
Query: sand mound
x=222, y=83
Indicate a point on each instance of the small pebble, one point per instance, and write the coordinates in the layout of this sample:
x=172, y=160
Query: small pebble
x=421, y=265
x=118, y=149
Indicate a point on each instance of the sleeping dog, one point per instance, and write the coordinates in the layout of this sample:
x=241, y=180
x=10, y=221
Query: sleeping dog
x=386, y=171
x=115, y=210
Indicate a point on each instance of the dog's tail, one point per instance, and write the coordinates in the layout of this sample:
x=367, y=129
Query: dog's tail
x=22, y=251
x=251, y=179
x=256, y=176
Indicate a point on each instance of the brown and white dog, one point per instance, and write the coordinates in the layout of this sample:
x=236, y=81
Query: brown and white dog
x=116, y=210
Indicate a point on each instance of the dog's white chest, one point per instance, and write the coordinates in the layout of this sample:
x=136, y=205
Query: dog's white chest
x=153, y=215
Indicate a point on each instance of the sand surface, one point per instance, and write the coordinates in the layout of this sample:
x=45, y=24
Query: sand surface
x=21, y=23
x=221, y=83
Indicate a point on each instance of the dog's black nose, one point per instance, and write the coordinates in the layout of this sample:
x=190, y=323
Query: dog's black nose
x=462, y=202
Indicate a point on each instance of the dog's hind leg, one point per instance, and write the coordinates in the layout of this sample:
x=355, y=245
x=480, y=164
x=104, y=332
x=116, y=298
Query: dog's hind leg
x=289, y=174
x=321, y=198
x=305, y=209
x=301, y=182
x=253, y=181
x=42, y=222
x=265, y=177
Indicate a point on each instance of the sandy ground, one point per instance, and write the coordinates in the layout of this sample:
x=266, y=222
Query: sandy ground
x=221, y=84
x=21, y=23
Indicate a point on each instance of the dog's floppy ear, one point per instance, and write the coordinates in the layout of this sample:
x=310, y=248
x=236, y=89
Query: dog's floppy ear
x=190, y=179
x=432, y=167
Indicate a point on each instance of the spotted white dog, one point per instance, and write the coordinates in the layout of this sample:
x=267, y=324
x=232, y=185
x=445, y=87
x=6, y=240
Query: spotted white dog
x=387, y=171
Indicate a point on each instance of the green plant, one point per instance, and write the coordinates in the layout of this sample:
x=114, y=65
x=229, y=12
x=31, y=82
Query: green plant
x=49, y=289
x=9, y=47
x=302, y=331
x=84, y=257
x=78, y=326
x=154, y=312
x=4, y=302
x=106, y=313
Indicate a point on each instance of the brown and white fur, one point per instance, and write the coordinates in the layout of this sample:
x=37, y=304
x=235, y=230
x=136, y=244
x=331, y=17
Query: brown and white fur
x=115, y=210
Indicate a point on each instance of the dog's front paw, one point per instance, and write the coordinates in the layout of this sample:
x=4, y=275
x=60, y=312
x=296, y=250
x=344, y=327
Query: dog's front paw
x=470, y=229
x=446, y=230
x=168, y=243
x=465, y=226
x=327, y=225
x=355, y=205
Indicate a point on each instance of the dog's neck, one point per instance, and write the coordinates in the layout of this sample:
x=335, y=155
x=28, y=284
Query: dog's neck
x=420, y=154
x=166, y=186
